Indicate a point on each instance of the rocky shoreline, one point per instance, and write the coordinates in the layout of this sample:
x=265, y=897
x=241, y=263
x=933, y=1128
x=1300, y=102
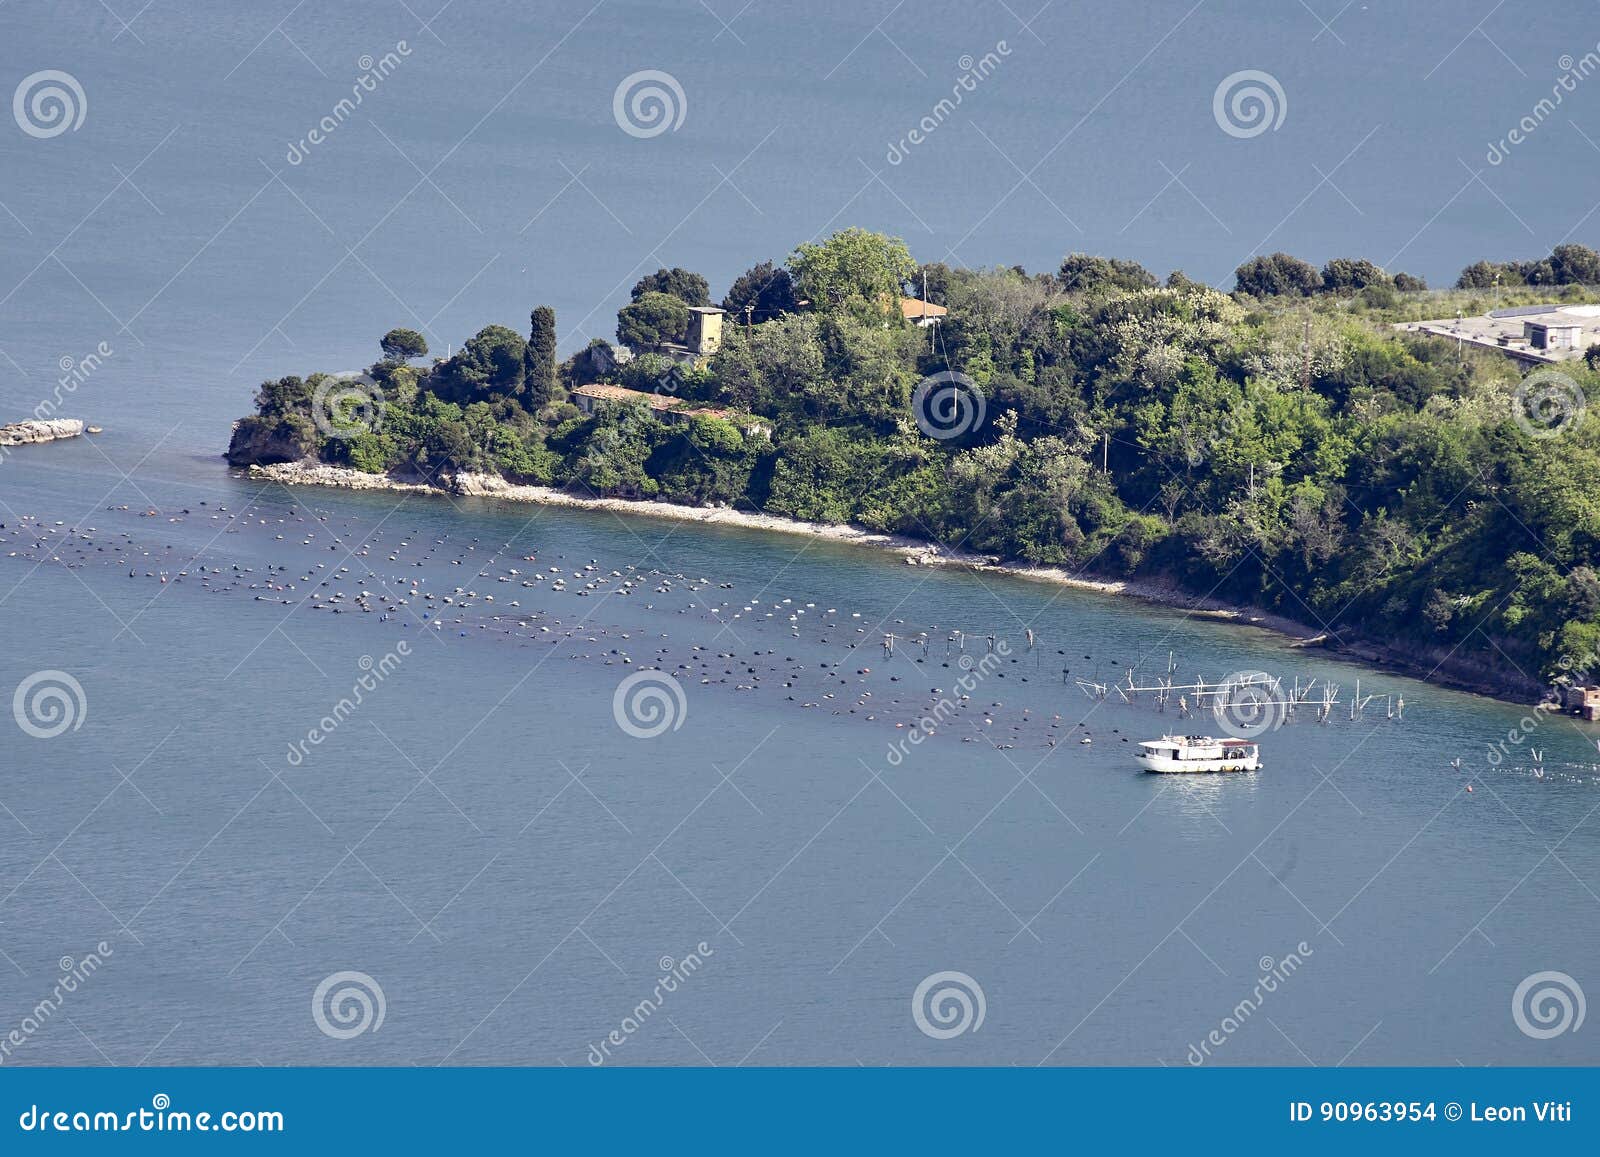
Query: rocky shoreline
x=34, y=431
x=1441, y=669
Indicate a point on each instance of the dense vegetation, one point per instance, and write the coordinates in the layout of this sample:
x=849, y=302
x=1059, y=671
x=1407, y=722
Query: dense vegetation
x=1281, y=446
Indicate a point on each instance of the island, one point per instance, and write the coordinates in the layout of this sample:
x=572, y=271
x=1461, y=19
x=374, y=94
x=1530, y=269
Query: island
x=40, y=430
x=1314, y=446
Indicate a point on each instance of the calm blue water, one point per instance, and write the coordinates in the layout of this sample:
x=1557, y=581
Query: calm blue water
x=480, y=837
x=508, y=914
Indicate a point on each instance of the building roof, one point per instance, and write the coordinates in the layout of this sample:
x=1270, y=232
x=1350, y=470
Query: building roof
x=705, y=309
x=912, y=309
x=1524, y=310
x=612, y=393
x=1548, y=325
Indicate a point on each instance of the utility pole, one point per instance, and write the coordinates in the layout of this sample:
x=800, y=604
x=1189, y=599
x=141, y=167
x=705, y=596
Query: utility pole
x=1105, y=455
x=932, y=343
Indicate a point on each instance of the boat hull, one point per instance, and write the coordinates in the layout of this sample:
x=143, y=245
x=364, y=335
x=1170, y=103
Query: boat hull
x=1165, y=765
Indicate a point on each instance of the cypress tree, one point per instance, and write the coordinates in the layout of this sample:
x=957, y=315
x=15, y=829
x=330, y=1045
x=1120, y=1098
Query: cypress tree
x=541, y=358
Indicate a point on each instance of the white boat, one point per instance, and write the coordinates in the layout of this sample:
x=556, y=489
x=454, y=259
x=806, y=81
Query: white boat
x=1198, y=753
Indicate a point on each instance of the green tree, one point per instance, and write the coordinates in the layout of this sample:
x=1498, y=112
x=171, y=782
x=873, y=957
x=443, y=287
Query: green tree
x=1277, y=275
x=654, y=320
x=491, y=365
x=932, y=281
x=703, y=461
x=868, y=370
x=539, y=358
x=854, y=267
x=1083, y=272
x=818, y=476
x=618, y=443
x=1575, y=265
x=401, y=345
x=1487, y=274
x=1343, y=274
x=689, y=288
x=285, y=396
x=772, y=368
x=761, y=293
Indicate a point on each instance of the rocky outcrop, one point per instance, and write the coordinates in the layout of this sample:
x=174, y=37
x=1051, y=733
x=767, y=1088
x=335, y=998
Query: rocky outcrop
x=261, y=442
x=30, y=432
x=319, y=474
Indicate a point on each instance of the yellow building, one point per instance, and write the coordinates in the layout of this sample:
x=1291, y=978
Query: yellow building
x=705, y=330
